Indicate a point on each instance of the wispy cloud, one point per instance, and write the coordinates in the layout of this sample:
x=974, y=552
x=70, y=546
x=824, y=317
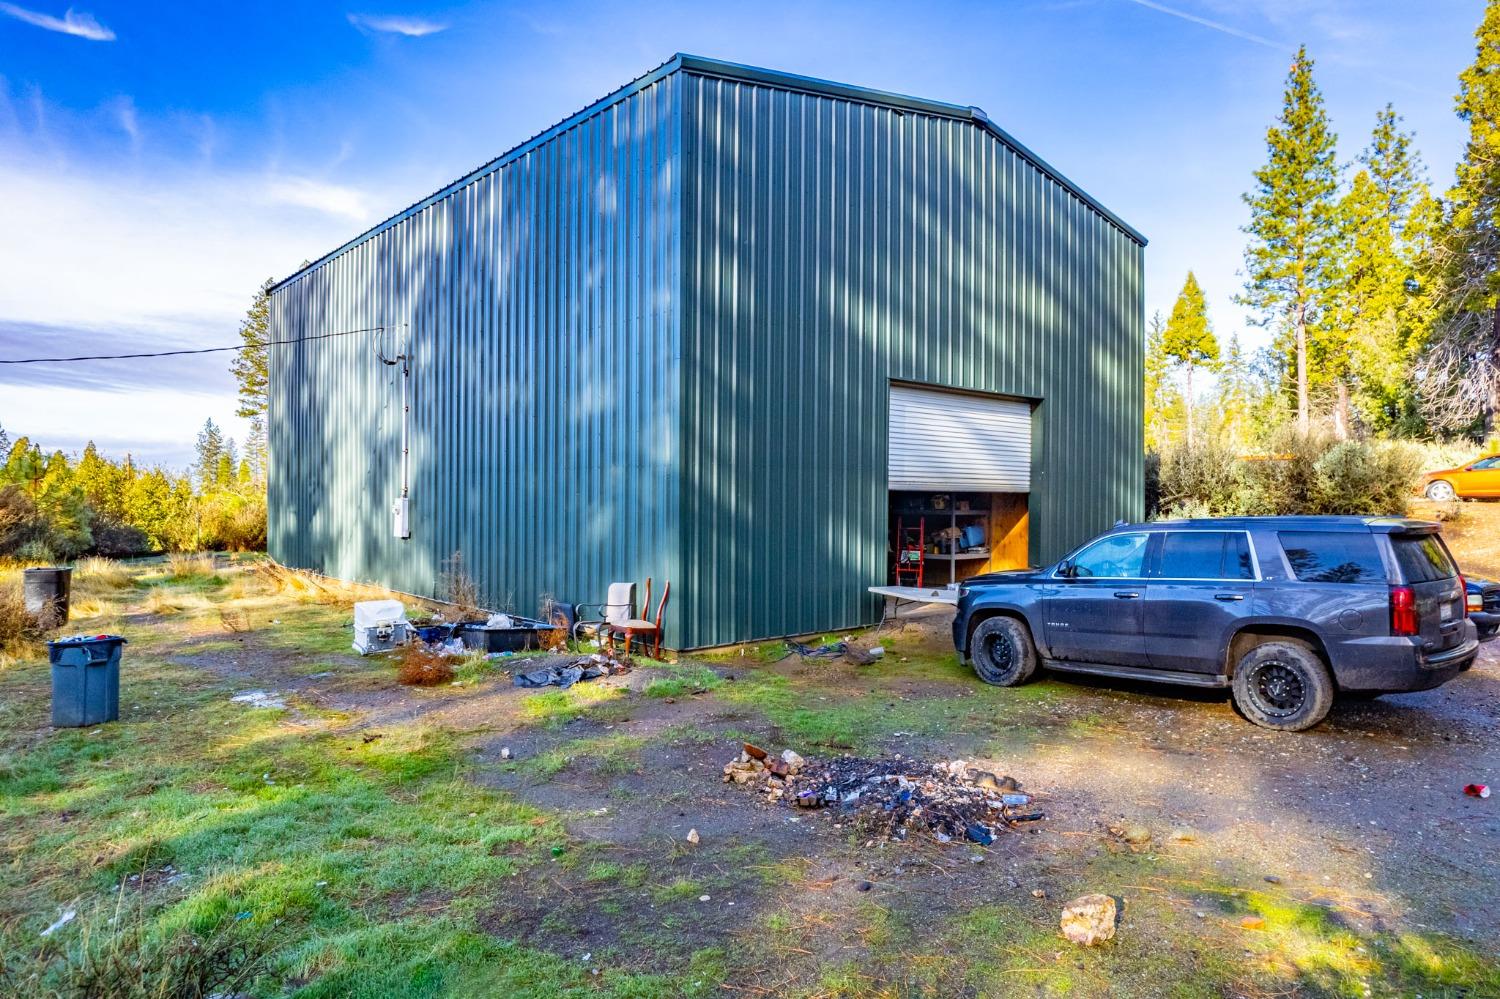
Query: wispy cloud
x=75, y=23
x=397, y=24
x=330, y=199
x=1219, y=26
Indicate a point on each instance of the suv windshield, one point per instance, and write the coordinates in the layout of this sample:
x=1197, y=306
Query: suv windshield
x=1423, y=558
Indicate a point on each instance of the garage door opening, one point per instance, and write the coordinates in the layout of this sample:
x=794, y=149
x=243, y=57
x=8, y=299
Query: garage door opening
x=959, y=479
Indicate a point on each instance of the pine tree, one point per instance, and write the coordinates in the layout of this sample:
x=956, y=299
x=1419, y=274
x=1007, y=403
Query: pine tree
x=1188, y=341
x=1374, y=323
x=1236, y=394
x=4, y=441
x=1460, y=372
x=250, y=366
x=209, y=447
x=1292, y=249
x=228, y=461
x=1161, y=397
x=256, y=449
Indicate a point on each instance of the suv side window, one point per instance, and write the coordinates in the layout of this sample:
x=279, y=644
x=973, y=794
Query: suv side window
x=1333, y=556
x=1205, y=555
x=1119, y=556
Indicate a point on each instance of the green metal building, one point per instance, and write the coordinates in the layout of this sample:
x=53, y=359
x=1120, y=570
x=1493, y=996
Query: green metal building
x=749, y=332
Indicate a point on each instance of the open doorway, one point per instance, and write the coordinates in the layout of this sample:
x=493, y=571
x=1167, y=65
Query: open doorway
x=939, y=539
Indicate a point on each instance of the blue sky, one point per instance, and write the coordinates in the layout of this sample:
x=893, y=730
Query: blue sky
x=158, y=160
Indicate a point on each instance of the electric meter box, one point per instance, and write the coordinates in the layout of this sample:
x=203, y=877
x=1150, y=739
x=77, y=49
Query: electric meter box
x=400, y=518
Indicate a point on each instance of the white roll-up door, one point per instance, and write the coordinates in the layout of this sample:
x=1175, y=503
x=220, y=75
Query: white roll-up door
x=959, y=443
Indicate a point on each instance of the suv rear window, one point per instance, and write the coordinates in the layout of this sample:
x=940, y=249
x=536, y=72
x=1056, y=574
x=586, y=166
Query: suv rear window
x=1422, y=558
x=1333, y=556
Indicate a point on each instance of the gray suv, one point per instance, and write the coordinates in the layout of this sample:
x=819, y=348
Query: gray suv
x=1287, y=612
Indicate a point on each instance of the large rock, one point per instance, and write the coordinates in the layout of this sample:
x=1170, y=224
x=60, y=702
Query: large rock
x=1089, y=919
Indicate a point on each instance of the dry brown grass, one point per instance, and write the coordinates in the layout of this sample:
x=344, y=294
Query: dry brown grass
x=423, y=668
x=234, y=620
x=459, y=588
x=20, y=633
x=162, y=602
x=95, y=576
x=189, y=565
x=1473, y=535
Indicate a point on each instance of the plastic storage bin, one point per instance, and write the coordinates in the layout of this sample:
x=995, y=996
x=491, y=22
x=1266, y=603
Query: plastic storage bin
x=379, y=625
x=85, y=680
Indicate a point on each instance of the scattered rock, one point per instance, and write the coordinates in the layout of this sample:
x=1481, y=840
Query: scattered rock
x=863, y=886
x=1133, y=835
x=1252, y=923
x=703, y=898
x=792, y=759
x=259, y=699
x=1089, y=919
x=1272, y=879
x=505, y=752
x=1184, y=834
x=755, y=752
x=1038, y=893
x=692, y=836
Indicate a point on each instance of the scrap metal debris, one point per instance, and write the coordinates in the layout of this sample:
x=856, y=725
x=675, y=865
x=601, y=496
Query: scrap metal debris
x=951, y=800
x=857, y=654
x=564, y=671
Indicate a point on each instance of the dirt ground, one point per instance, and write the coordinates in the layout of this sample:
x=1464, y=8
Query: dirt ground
x=1341, y=861
x=1362, y=818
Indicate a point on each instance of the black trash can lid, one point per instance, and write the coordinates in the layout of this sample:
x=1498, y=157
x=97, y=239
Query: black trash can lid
x=86, y=640
x=49, y=569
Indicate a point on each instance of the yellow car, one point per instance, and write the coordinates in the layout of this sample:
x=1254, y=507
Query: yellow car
x=1480, y=479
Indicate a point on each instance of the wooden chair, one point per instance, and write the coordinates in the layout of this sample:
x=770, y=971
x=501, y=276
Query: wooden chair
x=618, y=607
x=643, y=627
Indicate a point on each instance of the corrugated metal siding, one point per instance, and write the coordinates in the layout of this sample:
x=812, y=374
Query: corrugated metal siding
x=832, y=247
x=959, y=442
x=540, y=302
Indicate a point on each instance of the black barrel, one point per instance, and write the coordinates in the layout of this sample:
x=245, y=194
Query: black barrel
x=46, y=592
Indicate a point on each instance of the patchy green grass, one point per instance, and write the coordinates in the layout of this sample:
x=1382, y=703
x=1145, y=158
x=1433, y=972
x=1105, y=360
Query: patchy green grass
x=681, y=680
x=369, y=854
x=368, y=857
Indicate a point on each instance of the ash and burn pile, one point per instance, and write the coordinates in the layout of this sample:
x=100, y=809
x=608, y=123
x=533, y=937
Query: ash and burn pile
x=950, y=800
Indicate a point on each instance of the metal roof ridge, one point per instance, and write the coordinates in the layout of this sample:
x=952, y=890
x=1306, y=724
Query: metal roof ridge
x=705, y=66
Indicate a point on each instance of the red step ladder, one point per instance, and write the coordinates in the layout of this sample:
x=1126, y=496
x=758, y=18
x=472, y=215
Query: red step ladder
x=911, y=552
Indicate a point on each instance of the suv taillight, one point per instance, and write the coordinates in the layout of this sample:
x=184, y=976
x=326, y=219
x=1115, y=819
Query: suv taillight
x=1463, y=595
x=1403, y=610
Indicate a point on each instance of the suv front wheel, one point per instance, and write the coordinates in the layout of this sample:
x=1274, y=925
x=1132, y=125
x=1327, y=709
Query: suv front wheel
x=1003, y=651
x=1282, y=684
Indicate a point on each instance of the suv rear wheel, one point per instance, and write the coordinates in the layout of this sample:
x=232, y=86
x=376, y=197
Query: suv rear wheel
x=1282, y=684
x=1003, y=652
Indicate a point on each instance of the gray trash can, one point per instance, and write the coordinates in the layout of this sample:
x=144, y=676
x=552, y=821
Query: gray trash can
x=85, y=680
x=45, y=592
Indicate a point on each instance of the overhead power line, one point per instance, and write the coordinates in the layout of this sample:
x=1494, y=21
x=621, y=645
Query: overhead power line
x=176, y=353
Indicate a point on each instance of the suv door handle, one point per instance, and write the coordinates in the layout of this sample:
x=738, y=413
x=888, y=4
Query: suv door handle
x=1229, y=596
x=1127, y=594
